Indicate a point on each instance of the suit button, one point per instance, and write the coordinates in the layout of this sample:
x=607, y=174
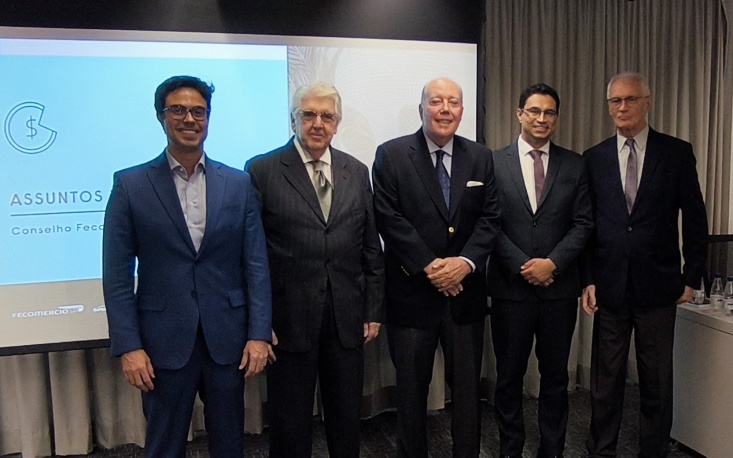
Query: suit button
x=451, y=229
x=628, y=229
x=534, y=224
x=194, y=294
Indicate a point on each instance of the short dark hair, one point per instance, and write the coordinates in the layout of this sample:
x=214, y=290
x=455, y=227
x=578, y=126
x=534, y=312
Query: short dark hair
x=540, y=88
x=178, y=82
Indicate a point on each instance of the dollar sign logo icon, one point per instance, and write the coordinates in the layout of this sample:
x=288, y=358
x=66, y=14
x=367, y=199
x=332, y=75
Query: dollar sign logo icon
x=32, y=129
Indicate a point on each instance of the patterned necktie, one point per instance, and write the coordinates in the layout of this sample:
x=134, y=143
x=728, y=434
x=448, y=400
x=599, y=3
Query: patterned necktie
x=632, y=176
x=322, y=187
x=443, y=177
x=539, y=174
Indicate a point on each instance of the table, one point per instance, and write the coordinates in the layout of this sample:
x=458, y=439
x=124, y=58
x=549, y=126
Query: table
x=703, y=381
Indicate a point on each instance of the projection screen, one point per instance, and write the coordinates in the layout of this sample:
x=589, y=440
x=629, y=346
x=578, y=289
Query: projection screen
x=77, y=105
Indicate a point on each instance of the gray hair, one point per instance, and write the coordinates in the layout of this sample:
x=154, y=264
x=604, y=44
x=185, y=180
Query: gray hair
x=317, y=89
x=632, y=77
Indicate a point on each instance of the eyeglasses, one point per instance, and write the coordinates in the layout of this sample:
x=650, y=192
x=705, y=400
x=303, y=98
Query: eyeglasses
x=536, y=113
x=630, y=101
x=180, y=112
x=310, y=116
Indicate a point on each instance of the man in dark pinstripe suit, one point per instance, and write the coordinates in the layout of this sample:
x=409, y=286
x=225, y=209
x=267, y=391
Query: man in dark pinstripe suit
x=327, y=274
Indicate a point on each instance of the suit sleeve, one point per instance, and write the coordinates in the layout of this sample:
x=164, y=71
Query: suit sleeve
x=586, y=254
x=572, y=244
x=694, y=221
x=509, y=254
x=398, y=233
x=255, y=269
x=250, y=168
x=118, y=271
x=372, y=259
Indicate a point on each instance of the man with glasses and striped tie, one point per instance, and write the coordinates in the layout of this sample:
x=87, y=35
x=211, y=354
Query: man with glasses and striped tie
x=640, y=181
x=534, y=272
x=327, y=277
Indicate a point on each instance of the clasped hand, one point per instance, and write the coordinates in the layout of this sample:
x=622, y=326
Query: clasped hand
x=538, y=271
x=446, y=274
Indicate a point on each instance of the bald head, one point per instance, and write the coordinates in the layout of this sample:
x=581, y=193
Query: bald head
x=438, y=81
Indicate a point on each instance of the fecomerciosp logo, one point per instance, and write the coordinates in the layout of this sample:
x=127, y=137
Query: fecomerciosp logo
x=60, y=310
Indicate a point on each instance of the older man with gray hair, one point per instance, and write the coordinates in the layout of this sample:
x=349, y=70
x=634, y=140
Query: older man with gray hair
x=327, y=273
x=641, y=182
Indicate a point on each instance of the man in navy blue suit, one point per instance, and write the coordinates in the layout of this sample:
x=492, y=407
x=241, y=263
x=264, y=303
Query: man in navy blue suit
x=437, y=210
x=200, y=317
x=641, y=180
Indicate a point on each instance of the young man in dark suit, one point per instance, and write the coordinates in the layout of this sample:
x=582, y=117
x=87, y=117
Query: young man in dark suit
x=437, y=211
x=327, y=274
x=534, y=275
x=640, y=180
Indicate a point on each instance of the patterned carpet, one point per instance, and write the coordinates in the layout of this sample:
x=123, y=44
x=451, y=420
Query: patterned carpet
x=378, y=434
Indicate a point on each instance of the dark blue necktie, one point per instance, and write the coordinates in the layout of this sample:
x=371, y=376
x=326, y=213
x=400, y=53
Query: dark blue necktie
x=443, y=177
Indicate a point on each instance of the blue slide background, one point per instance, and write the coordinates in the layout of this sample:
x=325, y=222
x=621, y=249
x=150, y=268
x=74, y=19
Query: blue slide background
x=102, y=111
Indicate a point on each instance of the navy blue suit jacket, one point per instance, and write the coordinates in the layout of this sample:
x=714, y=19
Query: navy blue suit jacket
x=558, y=230
x=418, y=227
x=225, y=286
x=642, y=248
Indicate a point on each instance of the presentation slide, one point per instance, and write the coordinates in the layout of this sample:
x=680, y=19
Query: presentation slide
x=78, y=105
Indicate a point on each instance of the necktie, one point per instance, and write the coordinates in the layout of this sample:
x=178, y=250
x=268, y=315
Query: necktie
x=323, y=188
x=443, y=177
x=632, y=176
x=539, y=174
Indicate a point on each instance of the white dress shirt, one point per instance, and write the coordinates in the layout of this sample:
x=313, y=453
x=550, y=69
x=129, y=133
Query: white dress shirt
x=527, y=164
x=191, y=195
x=623, y=154
x=307, y=158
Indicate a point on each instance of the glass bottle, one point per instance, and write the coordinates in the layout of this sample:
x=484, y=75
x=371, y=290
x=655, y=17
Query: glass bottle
x=716, y=292
x=728, y=296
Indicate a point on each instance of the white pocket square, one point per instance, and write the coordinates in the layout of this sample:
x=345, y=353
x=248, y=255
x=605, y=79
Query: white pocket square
x=472, y=184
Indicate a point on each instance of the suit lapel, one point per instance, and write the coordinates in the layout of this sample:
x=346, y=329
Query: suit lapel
x=162, y=182
x=296, y=174
x=341, y=183
x=420, y=157
x=215, y=192
x=613, y=170
x=553, y=167
x=515, y=171
x=459, y=174
x=651, y=159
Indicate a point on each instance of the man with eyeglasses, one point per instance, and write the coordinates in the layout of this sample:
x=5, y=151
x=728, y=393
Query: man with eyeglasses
x=640, y=181
x=327, y=275
x=534, y=272
x=437, y=211
x=199, y=319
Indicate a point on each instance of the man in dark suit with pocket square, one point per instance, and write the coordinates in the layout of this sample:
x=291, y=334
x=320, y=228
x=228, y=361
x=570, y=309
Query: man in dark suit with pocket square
x=534, y=274
x=641, y=180
x=437, y=211
x=327, y=272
